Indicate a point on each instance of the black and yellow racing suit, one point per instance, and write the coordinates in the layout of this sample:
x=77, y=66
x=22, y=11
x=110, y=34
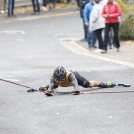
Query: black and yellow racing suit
x=72, y=79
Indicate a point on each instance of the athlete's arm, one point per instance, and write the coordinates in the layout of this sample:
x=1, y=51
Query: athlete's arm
x=73, y=79
x=51, y=85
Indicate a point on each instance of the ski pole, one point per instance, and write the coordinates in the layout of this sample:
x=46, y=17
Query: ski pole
x=18, y=84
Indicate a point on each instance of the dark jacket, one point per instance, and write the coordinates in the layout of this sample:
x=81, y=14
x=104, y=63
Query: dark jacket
x=82, y=5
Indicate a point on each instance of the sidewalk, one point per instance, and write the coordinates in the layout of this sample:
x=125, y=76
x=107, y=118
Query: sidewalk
x=126, y=54
x=25, y=12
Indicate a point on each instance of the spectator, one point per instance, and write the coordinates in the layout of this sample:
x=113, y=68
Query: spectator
x=82, y=5
x=45, y=5
x=36, y=7
x=111, y=36
x=11, y=4
x=52, y=4
x=3, y=6
x=71, y=2
x=91, y=34
x=97, y=22
x=111, y=12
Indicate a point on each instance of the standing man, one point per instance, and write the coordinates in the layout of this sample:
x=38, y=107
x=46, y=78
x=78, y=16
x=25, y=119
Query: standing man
x=91, y=34
x=111, y=12
x=82, y=5
x=36, y=7
x=11, y=4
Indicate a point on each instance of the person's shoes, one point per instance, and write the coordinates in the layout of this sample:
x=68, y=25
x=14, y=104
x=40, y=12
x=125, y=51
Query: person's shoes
x=106, y=85
x=110, y=47
x=118, y=50
x=45, y=9
x=98, y=50
x=104, y=51
x=13, y=15
x=37, y=13
x=94, y=47
x=77, y=92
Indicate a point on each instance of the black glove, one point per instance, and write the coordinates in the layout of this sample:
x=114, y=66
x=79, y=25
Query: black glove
x=49, y=93
x=77, y=92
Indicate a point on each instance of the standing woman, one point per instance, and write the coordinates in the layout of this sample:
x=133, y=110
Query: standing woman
x=111, y=12
x=97, y=22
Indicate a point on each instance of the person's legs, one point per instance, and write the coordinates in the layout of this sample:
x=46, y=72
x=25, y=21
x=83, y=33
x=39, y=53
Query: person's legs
x=98, y=33
x=9, y=7
x=12, y=9
x=93, y=39
x=33, y=2
x=54, y=3
x=38, y=6
x=109, y=40
x=45, y=3
x=116, y=37
x=90, y=38
x=102, y=84
x=107, y=29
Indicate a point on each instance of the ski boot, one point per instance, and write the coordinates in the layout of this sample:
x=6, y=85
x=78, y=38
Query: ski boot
x=43, y=88
x=106, y=85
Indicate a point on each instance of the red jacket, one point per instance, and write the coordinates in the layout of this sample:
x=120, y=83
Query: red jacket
x=111, y=9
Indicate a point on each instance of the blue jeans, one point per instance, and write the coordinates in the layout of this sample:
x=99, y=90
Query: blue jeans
x=36, y=7
x=45, y=3
x=53, y=2
x=91, y=38
x=11, y=7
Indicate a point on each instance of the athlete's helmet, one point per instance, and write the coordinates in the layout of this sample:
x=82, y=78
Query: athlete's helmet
x=59, y=73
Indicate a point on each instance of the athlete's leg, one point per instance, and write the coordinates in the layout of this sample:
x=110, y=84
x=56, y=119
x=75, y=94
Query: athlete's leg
x=102, y=84
x=94, y=84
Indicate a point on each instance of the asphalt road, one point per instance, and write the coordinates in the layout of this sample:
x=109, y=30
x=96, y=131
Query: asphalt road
x=29, y=52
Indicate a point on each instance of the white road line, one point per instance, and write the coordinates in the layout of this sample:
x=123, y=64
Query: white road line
x=12, y=32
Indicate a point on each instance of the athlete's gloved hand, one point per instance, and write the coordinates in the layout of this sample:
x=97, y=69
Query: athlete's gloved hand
x=31, y=90
x=76, y=92
x=49, y=93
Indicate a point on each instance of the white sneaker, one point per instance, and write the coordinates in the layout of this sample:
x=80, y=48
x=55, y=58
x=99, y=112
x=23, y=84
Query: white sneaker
x=104, y=51
x=98, y=50
x=2, y=11
x=44, y=9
